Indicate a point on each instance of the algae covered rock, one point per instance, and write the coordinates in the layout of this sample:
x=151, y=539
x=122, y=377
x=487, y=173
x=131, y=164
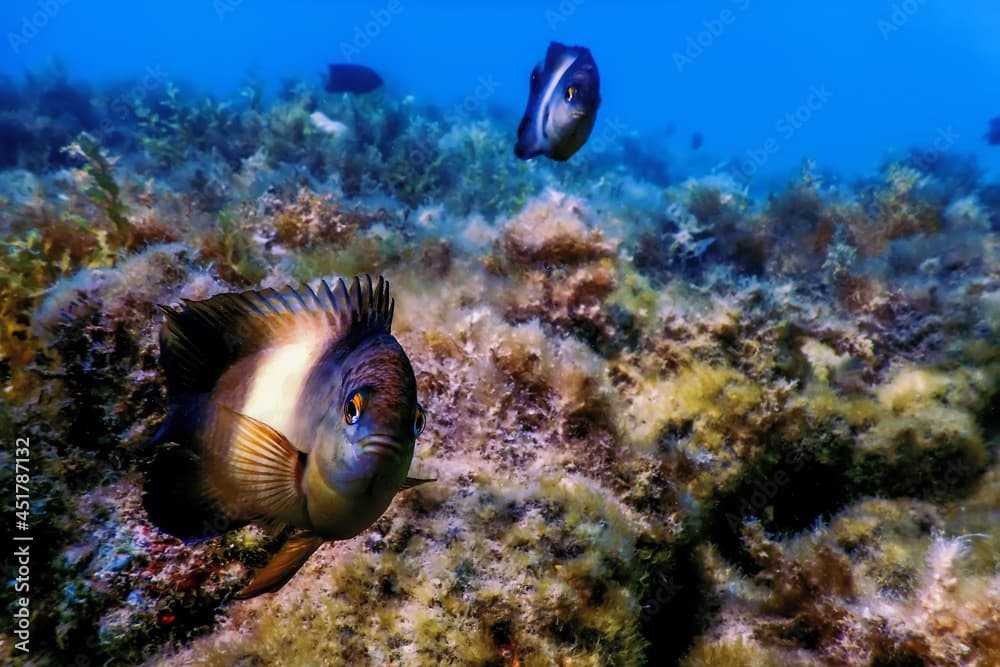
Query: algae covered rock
x=670, y=424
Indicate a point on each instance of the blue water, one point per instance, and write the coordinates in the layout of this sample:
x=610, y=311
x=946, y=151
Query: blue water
x=767, y=83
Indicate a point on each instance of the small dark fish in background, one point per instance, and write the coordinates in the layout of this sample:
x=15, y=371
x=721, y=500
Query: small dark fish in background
x=562, y=104
x=992, y=135
x=697, y=140
x=347, y=78
x=296, y=408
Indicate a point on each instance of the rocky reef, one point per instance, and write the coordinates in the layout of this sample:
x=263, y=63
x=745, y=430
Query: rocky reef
x=673, y=420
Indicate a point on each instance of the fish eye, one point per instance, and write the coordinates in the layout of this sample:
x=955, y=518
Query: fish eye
x=570, y=93
x=353, y=408
x=419, y=420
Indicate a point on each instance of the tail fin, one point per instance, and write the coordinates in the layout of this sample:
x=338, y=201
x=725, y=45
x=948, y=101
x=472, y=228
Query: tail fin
x=175, y=496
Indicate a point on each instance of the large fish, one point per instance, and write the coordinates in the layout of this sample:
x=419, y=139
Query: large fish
x=347, y=78
x=295, y=408
x=992, y=135
x=562, y=104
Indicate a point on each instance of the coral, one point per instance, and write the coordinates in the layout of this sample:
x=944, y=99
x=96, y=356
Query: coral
x=139, y=586
x=899, y=208
x=312, y=220
x=463, y=607
x=563, y=269
x=897, y=598
x=553, y=230
x=739, y=652
x=929, y=443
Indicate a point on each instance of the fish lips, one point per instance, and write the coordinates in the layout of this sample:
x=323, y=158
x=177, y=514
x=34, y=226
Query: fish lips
x=378, y=456
x=384, y=448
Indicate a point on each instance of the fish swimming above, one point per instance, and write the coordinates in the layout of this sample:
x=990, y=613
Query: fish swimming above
x=992, y=135
x=348, y=78
x=562, y=104
x=294, y=408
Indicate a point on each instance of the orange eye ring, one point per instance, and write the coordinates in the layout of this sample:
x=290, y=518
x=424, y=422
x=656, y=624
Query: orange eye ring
x=419, y=421
x=353, y=408
x=570, y=93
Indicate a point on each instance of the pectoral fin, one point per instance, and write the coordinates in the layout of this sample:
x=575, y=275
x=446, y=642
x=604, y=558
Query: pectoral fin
x=283, y=565
x=266, y=469
x=411, y=482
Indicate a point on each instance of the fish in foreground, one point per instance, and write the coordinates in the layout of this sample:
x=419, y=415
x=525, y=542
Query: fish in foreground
x=347, y=78
x=296, y=408
x=562, y=104
x=992, y=135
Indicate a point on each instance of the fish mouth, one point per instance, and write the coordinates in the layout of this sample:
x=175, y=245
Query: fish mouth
x=381, y=446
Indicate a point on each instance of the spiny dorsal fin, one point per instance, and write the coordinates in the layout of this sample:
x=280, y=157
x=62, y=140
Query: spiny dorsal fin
x=371, y=307
x=411, y=482
x=283, y=565
x=201, y=339
x=264, y=467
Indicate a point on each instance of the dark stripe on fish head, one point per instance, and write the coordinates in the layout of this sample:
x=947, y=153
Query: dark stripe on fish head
x=562, y=105
x=367, y=396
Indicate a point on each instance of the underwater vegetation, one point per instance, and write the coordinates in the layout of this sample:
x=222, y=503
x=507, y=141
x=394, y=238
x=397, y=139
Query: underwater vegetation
x=672, y=420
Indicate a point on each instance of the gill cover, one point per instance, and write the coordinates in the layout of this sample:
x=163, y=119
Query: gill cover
x=562, y=104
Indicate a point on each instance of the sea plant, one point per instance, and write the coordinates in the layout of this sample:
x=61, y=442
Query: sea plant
x=104, y=192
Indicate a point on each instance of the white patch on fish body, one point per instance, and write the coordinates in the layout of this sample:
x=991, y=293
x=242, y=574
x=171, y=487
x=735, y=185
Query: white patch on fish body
x=277, y=385
x=567, y=61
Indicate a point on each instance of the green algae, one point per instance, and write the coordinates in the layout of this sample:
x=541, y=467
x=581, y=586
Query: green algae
x=105, y=192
